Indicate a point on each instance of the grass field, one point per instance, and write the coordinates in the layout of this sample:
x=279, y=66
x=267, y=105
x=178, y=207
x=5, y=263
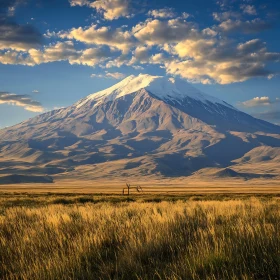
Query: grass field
x=84, y=236
x=159, y=186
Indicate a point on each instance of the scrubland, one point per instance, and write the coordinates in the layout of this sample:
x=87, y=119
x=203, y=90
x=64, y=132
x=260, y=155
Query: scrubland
x=141, y=237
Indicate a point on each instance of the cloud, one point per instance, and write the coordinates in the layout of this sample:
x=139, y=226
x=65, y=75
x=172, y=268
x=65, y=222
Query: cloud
x=205, y=55
x=159, y=58
x=150, y=32
x=115, y=75
x=223, y=3
x=251, y=46
x=110, y=9
x=92, y=56
x=238, y=26
x=196, y=55
x=119, y=61
x=79, y=2
x=35, y=91
x=116, y=38
x=113, y=9
x=14, y=58
x=14, y=36
x=162, y=13
x=22, y=101
x=273, y=116
x=97, y=75
x=18, y=37
x=61, y=51
x=10, y=5
x=209, y=32
x=226, y=15
x=220, y=61
x=57, y=52
x=260, y=101
x=157, y=32
x=138, y=67
x=249, y=9
x=141, y=55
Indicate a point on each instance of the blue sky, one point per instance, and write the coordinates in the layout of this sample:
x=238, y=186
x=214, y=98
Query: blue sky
x=53, y=54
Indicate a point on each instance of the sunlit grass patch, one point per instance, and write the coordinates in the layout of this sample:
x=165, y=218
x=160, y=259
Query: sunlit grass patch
x=116, y=237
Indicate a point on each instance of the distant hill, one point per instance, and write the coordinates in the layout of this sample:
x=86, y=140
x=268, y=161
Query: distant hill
x=229, y=173
x=20, y=179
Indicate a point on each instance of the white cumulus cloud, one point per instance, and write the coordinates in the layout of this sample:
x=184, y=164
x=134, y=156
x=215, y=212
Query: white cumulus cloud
x=260, y=101
x=109, y=75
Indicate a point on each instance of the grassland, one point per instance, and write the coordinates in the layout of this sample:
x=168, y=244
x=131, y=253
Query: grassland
x=182, y=236
x=151, y=186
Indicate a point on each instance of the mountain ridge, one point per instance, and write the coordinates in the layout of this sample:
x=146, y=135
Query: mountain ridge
x=140, y=131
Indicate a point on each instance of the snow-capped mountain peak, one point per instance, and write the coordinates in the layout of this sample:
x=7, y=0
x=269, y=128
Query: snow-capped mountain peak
x=163, y=87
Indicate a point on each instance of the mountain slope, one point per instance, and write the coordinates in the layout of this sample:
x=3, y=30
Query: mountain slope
x=144, y=125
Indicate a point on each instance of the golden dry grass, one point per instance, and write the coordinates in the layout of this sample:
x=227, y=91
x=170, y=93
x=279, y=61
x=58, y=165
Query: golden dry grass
x=145, y=237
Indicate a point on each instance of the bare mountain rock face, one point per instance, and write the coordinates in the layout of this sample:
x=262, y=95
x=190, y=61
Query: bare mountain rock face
x=142, y=126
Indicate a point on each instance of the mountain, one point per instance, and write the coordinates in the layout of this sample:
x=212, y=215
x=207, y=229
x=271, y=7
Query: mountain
x=142, y=126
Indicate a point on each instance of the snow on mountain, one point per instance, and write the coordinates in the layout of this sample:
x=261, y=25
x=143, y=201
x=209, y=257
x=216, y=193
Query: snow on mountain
x=163, y=87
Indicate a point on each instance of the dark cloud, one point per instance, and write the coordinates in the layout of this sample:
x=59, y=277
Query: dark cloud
x=251, y=46
x=247, y=27
x=15, y=36
x=18, y=37
x=21, y=100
